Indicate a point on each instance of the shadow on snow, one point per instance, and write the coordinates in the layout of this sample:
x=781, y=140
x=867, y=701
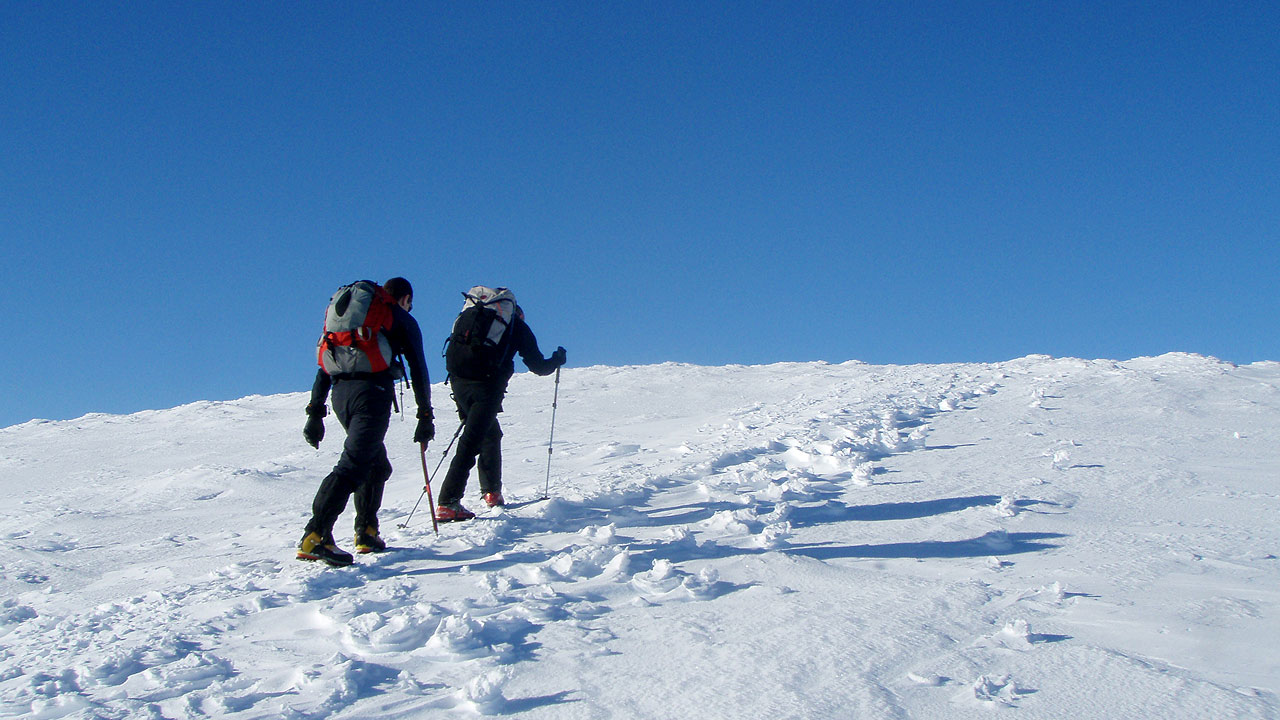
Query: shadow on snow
x=1010, y=544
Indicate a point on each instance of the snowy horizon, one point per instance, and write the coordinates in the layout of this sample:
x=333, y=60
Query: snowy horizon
x=680, y=363
x=1052, y=536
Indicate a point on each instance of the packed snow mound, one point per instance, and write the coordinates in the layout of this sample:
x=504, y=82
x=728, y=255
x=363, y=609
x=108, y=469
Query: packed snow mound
x=1060, y=537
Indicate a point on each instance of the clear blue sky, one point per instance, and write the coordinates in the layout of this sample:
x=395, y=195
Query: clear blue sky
x=182, y=185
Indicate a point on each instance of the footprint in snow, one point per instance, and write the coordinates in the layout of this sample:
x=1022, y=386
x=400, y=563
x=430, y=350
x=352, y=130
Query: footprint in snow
x=402, y=629
x=457, y=637
x=993, y=691
x=665, y=582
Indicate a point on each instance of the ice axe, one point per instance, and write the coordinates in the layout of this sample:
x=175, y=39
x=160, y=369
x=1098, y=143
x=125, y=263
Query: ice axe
x=426, y=488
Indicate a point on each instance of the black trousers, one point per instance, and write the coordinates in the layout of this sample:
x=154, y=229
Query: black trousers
x=364, y=408
x=480, y=444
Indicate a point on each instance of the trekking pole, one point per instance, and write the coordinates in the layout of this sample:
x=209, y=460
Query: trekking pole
x=555, y=400
x=426, y=488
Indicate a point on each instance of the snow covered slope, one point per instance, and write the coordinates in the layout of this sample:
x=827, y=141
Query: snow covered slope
x=1057, y=537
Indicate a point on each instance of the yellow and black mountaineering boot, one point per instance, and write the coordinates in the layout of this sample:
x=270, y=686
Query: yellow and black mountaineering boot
x=368, y=541
x=314, y=547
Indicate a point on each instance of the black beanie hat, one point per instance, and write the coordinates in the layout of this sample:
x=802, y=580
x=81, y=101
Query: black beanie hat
x=398, y=287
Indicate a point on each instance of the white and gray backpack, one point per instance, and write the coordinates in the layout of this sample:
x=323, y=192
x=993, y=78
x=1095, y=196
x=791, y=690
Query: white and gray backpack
x=476, y=348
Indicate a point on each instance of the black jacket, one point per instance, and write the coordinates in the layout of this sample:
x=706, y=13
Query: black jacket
x=525, y=344
x=405, y=338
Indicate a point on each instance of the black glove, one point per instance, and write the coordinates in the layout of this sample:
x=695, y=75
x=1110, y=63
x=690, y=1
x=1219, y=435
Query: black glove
x=426, y=430
x=558, y=357
x=313, y=431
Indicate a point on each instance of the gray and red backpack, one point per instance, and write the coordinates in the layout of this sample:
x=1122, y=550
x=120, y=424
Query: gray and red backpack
x=355, y=323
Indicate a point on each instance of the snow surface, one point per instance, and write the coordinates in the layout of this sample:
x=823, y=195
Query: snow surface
x=1047, y=538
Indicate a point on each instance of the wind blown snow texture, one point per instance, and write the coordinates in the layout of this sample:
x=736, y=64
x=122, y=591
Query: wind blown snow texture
x=1052, y=537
